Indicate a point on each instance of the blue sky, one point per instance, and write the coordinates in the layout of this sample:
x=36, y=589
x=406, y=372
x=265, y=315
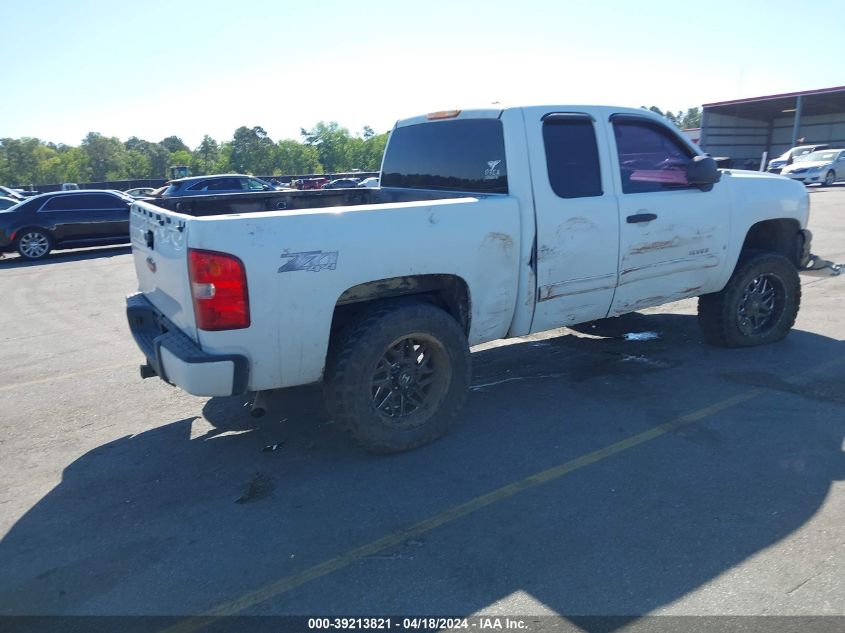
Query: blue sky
x=190, y=68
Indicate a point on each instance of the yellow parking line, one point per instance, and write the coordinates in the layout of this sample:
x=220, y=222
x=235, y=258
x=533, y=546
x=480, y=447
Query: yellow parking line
x=75, y=374
x=397, y=538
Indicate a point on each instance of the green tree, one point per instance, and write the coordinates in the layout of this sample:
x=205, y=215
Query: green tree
x=74, y=165
x=205, y=156
x=294, y=158
x=182, y=157
x=253, y=151
x=331, y=141
x=107, y=156
x=690, y=118
x=174, y=144
x=224, y=159
x=19, y=158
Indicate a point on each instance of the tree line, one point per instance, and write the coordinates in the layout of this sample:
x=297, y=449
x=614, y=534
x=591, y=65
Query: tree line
x=325, y=148
x=684, y=120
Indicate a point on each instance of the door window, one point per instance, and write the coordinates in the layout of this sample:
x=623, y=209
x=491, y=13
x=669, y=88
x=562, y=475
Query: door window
x=68, y=203
x=105, y=201
x=651, y=158
x=572, y=156
x=252, y=184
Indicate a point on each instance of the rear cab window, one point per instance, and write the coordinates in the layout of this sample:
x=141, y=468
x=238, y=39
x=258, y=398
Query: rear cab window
x=465, y=155
x=572, y=156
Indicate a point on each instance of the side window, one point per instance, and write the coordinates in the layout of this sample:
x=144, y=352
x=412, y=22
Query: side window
x=105, y=201
x=252, y=184
x=202, y=185
x=224, y=184
x=572, y=157
x=67, y=203
x=650, y=157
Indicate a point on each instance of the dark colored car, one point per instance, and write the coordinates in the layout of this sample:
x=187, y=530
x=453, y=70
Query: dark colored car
x=342, y=183
x=5, y=202
x=223, y=183
x=309, y=183
x=66, y=219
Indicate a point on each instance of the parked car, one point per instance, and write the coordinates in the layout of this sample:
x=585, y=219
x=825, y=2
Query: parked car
x=341, y=183
x=6, y=203
x=69, y=186
x=139, y=192
x=14, y=194
x=309, y=183
x=532, y=218
x=824, y=167
x=789, y=156
x=369, y=182
x=221, y=183
x=67, y=219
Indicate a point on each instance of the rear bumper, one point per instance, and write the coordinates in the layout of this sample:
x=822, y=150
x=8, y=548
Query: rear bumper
x=177, y=359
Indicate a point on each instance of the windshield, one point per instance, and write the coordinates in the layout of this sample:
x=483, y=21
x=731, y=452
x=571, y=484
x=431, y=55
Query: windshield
x=818, y=157
x=11, y=208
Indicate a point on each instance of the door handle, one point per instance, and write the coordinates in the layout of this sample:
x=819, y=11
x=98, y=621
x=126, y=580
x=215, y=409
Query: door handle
x=641, y=217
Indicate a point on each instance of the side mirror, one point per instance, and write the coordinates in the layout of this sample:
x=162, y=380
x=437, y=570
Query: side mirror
x=703, y=172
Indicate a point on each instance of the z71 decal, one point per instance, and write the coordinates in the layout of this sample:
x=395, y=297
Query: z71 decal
x=313, y=261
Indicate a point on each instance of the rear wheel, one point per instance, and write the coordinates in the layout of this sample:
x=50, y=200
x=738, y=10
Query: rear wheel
x=397, y=378
x=34, y=244
x=758, y=305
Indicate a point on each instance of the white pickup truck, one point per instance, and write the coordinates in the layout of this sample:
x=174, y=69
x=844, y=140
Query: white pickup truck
x=488, y=224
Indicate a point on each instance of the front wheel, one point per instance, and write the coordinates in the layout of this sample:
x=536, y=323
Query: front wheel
x=758, y=305
x=34, y=244
x=829, y=178
x=397, y=378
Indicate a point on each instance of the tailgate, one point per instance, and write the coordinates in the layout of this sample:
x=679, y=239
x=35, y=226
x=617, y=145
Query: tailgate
x=160, y=251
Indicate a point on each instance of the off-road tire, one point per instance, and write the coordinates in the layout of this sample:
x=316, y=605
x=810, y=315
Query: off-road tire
x=357, y=357
x=719, y=313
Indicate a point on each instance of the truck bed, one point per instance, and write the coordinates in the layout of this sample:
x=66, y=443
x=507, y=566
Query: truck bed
x=249, y=202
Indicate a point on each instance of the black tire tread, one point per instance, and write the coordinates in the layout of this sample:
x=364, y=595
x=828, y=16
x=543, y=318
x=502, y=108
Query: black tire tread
x=714, y=316
x=344, y=362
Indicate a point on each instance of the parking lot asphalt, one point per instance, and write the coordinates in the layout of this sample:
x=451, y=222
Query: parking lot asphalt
x=585, y=475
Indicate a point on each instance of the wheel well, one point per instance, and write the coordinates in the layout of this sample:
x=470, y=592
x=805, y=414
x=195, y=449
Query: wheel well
x=777, y=236
x=24, y=229
x=448, y=292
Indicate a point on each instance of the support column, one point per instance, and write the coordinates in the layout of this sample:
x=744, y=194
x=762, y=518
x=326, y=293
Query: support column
x=705, y=122
x=798, y=102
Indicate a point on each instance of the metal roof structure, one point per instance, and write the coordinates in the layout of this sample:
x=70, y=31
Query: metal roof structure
x=823, y=101
x=747, y=129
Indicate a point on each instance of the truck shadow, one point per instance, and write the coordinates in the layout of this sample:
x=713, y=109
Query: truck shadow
x=231, y=505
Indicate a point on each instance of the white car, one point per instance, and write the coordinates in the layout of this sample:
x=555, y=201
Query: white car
x=369, y=182
x=776, y=165
x=823, y=167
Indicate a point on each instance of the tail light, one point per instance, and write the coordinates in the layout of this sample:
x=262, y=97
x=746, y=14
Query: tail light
x=219, y=290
